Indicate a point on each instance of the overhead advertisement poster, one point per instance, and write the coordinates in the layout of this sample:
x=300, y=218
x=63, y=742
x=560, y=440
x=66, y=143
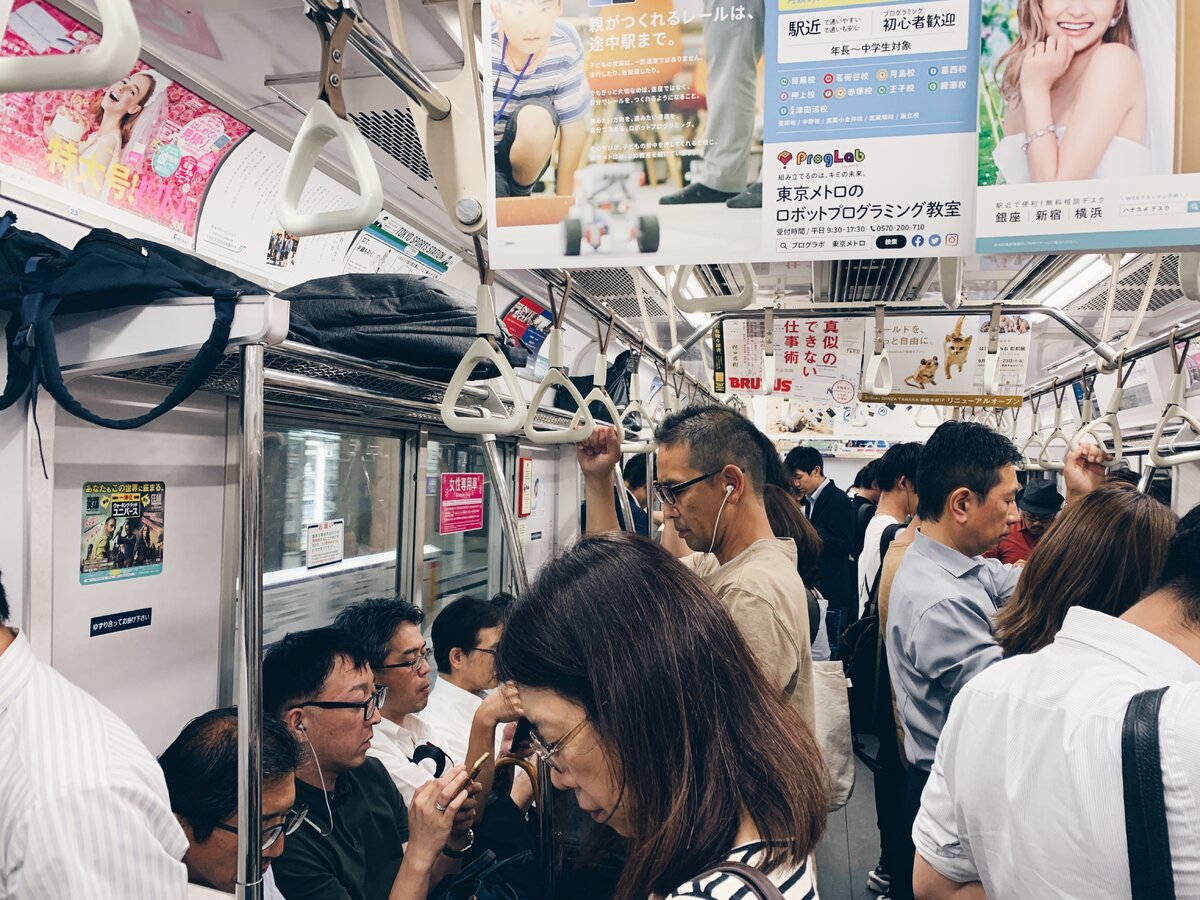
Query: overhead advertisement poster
x=390, y=247
x=1084, y=142
x=640, y=132
x=138, y=153
x=869, y=132
x=936, y=360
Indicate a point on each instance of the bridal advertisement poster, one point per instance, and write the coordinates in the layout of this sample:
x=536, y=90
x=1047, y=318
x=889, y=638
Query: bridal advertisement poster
x=138, y=153
x=1085, y=143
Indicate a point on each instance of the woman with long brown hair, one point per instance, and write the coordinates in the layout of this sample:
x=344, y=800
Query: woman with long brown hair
x=1101, y=553
x=647, y=703
x=788, y=521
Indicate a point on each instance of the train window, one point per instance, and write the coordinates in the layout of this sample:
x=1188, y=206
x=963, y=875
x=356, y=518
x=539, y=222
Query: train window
x=456, y=558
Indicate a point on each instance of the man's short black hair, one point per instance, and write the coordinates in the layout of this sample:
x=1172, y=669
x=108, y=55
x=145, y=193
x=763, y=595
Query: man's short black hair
x=296, y=666
x=372, y=623
x=502, y=600
x=804, y=459
x=459, y=624
x=715, y=437
x=957, y=455
x=1180, y=572
x=899, y=460
x=867, y=477
x=5, y=612
x=201, y=766
x=634, y=471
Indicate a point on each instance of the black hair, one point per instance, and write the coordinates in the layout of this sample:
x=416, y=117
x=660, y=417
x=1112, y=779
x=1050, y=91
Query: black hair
x=900, y=460
x=1180, y=572
x=960, y=454
x=715, y=437
x=804, y=459
x=773, y=470
x=201, y=766
x=459, y=624
x=502, y=600
x=634, y=471
x=4, y=610
x=865, y=478
x=296, y=666
x=373, y=622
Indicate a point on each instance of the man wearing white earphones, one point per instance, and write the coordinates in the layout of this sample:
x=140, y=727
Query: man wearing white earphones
x=711, y=471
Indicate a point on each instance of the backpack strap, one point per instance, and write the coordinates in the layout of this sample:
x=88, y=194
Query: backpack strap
x=19, y=337
x=759, y=884
x=814, y=614
x=1151, y=876
x=885, y=541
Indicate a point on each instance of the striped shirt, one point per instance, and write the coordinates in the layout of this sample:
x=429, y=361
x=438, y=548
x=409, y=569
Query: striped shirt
x=557, y=78
x=794, y=884
x=84, y=810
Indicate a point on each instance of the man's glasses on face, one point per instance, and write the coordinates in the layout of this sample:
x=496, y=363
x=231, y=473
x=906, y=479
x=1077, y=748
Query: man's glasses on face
x=369, y=706
x=411, y=664
x=291, y=821
x=670, y=493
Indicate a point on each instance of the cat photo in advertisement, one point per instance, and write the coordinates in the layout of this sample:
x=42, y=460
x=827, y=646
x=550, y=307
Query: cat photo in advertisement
x=957, y=347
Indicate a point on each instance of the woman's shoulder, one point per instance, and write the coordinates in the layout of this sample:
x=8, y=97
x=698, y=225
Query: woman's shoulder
x=1114, y=61
x=794, y=882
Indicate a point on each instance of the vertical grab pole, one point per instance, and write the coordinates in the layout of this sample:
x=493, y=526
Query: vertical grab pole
x=512, y=537
x=249, y=685
x=547, y=846
x=623, y=498
x=655, y=534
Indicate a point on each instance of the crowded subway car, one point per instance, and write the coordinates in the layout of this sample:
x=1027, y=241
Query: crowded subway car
x=537, y=534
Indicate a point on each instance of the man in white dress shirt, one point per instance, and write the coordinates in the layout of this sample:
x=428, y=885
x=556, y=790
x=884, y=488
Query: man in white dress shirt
x=1025, y=797
x=84, y=810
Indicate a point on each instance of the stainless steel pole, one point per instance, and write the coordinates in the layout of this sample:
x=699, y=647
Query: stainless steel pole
x=249, y=685
x=623, y=498
x=512, y=537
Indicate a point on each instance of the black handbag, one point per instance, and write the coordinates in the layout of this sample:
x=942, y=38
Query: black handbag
x=483, y=879
x=1151, y=876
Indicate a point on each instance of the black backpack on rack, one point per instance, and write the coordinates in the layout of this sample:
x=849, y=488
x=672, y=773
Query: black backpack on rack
x=40, y=279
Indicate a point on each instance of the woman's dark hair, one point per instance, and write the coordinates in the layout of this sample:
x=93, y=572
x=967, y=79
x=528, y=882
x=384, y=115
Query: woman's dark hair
x=957, y=455
x=695, y=734
x=1101, y=553
x=372, y=622
x=201, y=766
x=788, y=520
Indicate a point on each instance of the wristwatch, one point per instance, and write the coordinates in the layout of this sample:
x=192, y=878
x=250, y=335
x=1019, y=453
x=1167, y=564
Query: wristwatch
x=459, y=854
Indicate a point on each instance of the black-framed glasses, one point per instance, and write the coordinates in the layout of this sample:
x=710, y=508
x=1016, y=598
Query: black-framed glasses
x=291, y=821
x=669, y=493
x=368, y=706
x=483, y=650
x=546, y=752
x=413, y=663
x=1041, y=519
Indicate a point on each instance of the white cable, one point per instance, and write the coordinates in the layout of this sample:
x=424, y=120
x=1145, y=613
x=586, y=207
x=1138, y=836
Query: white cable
x=713, y=542
x=324, y=792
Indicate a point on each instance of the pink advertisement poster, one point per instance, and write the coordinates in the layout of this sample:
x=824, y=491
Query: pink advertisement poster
x=462, y=503
x=144, y=146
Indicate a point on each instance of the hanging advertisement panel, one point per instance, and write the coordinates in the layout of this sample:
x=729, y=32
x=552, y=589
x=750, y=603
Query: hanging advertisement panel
x=390, y=247
x=861, y=98
x=1083, y=136
x=941, y=361
x=739, y=350
x=139, y=153
x=818, y=360
x=122, y=531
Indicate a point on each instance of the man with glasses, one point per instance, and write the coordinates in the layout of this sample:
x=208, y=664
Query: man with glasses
x=712, y=466
x=359, y=839
x=201, y=769
x=1038, y=505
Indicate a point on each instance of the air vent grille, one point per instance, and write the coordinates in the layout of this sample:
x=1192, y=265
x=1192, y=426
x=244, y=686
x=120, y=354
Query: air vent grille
x=872, y=280
x=616, y=288
x=393, y=131
x=1131, y=286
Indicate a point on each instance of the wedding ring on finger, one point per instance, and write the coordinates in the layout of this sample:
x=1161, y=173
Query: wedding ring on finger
x=440, y=808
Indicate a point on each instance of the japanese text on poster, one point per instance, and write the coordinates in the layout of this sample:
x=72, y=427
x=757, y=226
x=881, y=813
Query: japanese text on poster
x=122, y=533
x=390, y=247
x=325, y=543
x=461, y=503
x=818, y=359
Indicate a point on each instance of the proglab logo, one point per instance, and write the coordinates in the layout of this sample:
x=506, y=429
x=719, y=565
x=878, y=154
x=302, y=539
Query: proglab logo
x=834, y=158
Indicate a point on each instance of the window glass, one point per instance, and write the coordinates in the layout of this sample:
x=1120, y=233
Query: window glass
x=456, y=563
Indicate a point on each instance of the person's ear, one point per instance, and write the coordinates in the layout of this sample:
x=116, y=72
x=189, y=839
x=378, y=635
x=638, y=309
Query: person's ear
x=735, y=483
x=458, y=658
x=294, y=720
x=960, y=502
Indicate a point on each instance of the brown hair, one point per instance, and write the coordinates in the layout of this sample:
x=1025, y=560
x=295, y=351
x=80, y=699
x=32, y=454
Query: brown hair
x=695, y=734
x=1101, y=553
x=1030, y=33
x=789, y=521
x=129, y=119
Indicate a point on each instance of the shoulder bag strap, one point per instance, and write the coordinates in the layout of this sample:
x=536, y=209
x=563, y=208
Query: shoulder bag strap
x=760, y=885
x=1150, y=872
x=885, y=541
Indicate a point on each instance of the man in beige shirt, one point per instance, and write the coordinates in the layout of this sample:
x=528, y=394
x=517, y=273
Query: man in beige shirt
x=711, y=470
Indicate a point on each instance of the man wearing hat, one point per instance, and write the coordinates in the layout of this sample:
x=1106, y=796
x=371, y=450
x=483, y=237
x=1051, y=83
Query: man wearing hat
x=1038, y=504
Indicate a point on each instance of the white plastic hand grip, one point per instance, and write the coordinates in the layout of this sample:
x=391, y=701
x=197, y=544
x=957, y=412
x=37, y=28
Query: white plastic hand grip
x=599, y=394
x=479, y=352
x=572, y=435
x=1176, y=408
x=1109, y=421
x=1044, y=460
x=991, y=374
x=1029, y=463
x=109, y=62
x=321, y=126
x=880, y=365
x=711, y=304
x=928, y=417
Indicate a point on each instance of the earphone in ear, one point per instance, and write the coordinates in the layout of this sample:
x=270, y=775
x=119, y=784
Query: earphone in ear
x=728, y=489
x=301, y=727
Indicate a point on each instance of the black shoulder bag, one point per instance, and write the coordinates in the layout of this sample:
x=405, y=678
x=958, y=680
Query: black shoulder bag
x=1151, y=876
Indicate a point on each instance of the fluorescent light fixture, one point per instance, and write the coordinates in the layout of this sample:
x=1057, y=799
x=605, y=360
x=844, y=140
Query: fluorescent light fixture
x=1083, y=274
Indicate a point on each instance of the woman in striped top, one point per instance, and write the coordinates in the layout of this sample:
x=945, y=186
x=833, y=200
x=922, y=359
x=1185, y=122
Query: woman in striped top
x=647, y=703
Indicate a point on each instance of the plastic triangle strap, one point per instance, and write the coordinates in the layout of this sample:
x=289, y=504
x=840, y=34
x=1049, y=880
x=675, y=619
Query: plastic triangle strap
x=110, y=61
x=572, y=435
x=480, y=352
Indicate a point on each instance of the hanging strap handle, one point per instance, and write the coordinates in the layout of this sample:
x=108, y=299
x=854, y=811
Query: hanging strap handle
x=582, y=424
x=711, y=303
x=644, y=440
x=599, y=392
x=991, y=363
x=1176, y=408
x=1147, y=838
x=1109, y=421
x=879, y=366
x=109, y=62
x=1045, y=462
x=1029, y=462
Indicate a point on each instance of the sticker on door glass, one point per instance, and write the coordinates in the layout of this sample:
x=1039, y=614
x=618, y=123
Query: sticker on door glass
x=122, y=532
x=462, y=503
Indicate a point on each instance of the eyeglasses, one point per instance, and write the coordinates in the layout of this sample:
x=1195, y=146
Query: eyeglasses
x=546, y=752
x=368, y=706
x=413, y=663
x=1045, y=520
x=669, y=493
x=292, y=820
x=483, y=650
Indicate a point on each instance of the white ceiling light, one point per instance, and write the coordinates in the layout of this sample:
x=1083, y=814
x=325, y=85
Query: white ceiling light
x=1083, y=274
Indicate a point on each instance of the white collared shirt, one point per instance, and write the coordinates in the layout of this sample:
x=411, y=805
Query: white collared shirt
x=1026, y=789
x=84, y=809
x=394, y=746
x=451, y=711
x=812, y=498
